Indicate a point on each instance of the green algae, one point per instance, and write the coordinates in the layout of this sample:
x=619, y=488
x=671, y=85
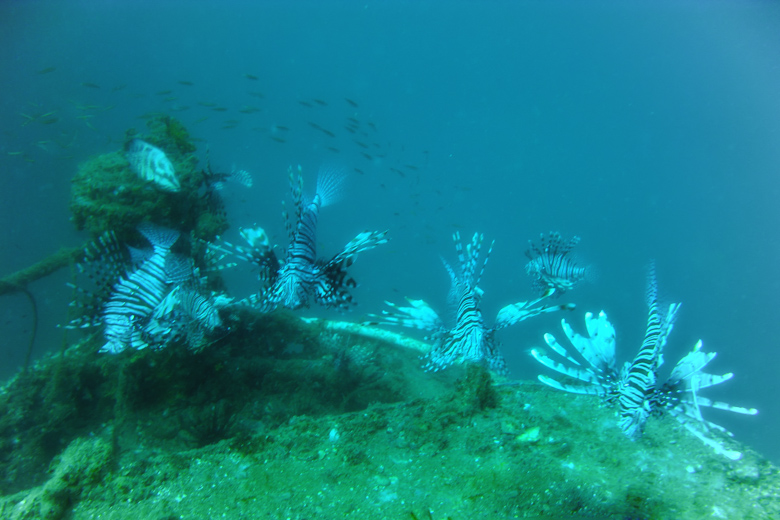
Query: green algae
x=106, y=195
x=286, y=419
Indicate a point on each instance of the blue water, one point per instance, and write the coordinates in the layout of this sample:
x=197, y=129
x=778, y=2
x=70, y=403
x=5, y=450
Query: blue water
x=649, y=129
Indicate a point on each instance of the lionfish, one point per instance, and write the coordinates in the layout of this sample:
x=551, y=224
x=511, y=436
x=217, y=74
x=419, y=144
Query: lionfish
x=469, y=340
x=214, y=182
x=635, y=386
x=187, y=314
x=146, y=301
x=301, y=276
x=550, y=265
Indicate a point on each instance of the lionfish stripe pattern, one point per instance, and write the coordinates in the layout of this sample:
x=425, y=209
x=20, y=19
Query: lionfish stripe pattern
x=301, y=276
x=635, y=386
x=469, y=340
x=299, y=273
x=184, y=313
x=641, y=375
x=640, y=379
x=103, y=265
x=551, y=266
x=137, y=295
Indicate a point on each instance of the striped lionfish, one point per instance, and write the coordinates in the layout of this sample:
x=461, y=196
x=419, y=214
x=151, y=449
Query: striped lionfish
x=301, y=275
x=550, y=265
x=214, y=182
x=635, y=386
x=469, y=340
x=147, y=301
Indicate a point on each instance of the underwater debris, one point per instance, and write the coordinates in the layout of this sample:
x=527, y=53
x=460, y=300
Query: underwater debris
x=550, y=265
x=469, y=340
x=635, y=386
x=151, y=164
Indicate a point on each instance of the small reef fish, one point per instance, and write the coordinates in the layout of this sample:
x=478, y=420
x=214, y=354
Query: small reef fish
x=47, y=70
x=251, y=76
x=151, y=164
x=248, y=109
x=551, y=266
x=351, y=103
x=90, y=85
x=321, y=129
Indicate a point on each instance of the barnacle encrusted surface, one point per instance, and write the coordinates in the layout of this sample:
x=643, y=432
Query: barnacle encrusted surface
x=284, y=418
x=106, y=195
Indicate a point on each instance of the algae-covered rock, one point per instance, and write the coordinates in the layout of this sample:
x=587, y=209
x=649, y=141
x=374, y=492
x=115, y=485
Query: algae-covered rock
x=285, y=418
x=107, y=195
x=79, y=468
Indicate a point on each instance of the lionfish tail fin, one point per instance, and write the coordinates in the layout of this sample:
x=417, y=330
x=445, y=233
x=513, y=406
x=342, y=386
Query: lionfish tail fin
x=330, y=182
x=161, y=238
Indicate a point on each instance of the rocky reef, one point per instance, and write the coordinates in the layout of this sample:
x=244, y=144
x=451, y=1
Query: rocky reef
x=291, y=418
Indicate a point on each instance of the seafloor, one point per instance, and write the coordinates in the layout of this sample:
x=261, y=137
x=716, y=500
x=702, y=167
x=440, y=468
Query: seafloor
x=285, y=418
